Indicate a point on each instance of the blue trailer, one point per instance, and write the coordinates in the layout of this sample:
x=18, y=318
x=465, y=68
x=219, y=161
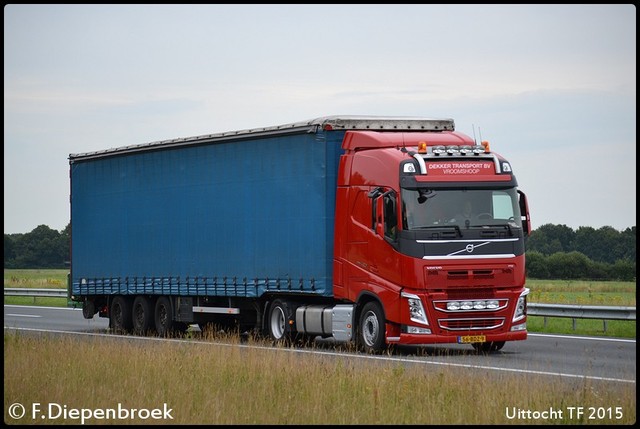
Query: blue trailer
x=225, y=215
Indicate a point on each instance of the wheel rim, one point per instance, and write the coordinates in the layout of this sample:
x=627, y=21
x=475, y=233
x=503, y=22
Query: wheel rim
x=370, y=328
x=277, y=322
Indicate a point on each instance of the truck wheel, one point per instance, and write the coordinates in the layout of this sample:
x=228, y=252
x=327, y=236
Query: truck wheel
x=277, y=324
x=143, y=315
x=120, y=315
x=371, y=329
x=164, y=317
x=88, y=309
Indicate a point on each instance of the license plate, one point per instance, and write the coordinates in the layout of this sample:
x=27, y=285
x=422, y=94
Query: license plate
x=466, y=339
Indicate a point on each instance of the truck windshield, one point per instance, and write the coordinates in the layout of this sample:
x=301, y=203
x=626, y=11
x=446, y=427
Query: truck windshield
x=465, y=208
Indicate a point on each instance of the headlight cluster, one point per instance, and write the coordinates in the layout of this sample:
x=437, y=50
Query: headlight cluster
x=521, y=306
x=416, y=310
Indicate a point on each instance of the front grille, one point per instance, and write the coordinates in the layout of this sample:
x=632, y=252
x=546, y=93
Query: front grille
x=470, y=274
x=470, y=324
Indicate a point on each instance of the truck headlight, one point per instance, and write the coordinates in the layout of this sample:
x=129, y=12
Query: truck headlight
x=521, y=306
x=416, y=310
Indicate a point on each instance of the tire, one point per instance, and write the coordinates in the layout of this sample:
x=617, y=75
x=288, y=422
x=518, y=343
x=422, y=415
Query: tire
x=120, y=315
x=371, y=328
x=491, y=346
x=277, y=326
x=143, y=315
x=163, y=317
x=88, y=309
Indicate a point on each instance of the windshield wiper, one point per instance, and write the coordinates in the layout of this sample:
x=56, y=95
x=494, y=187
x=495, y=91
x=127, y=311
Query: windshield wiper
x=508, y=227
x=456, y=227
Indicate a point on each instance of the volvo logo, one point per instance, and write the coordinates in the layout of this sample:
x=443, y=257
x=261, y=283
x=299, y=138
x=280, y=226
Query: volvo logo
x=469, y=248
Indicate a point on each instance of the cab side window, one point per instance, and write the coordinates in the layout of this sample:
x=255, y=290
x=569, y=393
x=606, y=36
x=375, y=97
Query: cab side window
x=390, y=215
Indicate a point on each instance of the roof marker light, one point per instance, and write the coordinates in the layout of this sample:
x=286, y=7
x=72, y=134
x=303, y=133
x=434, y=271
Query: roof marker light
x=439, y=150
x=477, y=149
x=465, y=150
x=453, y=150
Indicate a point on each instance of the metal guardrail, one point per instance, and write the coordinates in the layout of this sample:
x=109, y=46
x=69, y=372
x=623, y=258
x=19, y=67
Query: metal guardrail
x=582, y=311
x=34, y=292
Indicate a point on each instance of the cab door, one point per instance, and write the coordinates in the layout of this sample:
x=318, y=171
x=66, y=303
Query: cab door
x=384, y=234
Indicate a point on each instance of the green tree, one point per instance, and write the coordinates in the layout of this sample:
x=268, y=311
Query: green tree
x=549, y=239
x=627, y=244
x=40, y=248
x=9, y=249
x=603, y=244
x=572, y=265
x=536, y=265
x=623, y=270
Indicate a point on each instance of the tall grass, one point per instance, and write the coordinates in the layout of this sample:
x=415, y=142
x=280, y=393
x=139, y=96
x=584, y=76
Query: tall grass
x=231, y=384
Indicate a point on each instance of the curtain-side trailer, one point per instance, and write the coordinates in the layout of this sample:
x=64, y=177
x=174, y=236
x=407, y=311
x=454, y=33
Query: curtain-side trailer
x=348, y=227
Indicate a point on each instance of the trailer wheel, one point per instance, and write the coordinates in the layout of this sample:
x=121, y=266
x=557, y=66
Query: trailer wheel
x=164, y=317
x=277, y=323
x=120, y=315
x=371, y=329
x=88, y=309
x=143, y=315
x=491, y=346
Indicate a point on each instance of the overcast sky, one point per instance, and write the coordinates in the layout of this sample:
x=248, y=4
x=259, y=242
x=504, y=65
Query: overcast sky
x=551, y=87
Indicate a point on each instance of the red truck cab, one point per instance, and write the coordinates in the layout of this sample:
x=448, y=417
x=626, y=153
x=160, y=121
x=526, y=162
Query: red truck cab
x=435, y=229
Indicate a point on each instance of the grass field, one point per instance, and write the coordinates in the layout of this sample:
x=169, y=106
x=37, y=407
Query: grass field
x=542, y=291
x=226, y=383
x=582, y=292
x=36, y=278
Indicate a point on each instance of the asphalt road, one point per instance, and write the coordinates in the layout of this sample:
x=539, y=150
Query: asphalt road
x=566, y=356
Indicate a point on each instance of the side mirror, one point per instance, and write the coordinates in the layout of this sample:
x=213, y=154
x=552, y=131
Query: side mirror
x=524, y=213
